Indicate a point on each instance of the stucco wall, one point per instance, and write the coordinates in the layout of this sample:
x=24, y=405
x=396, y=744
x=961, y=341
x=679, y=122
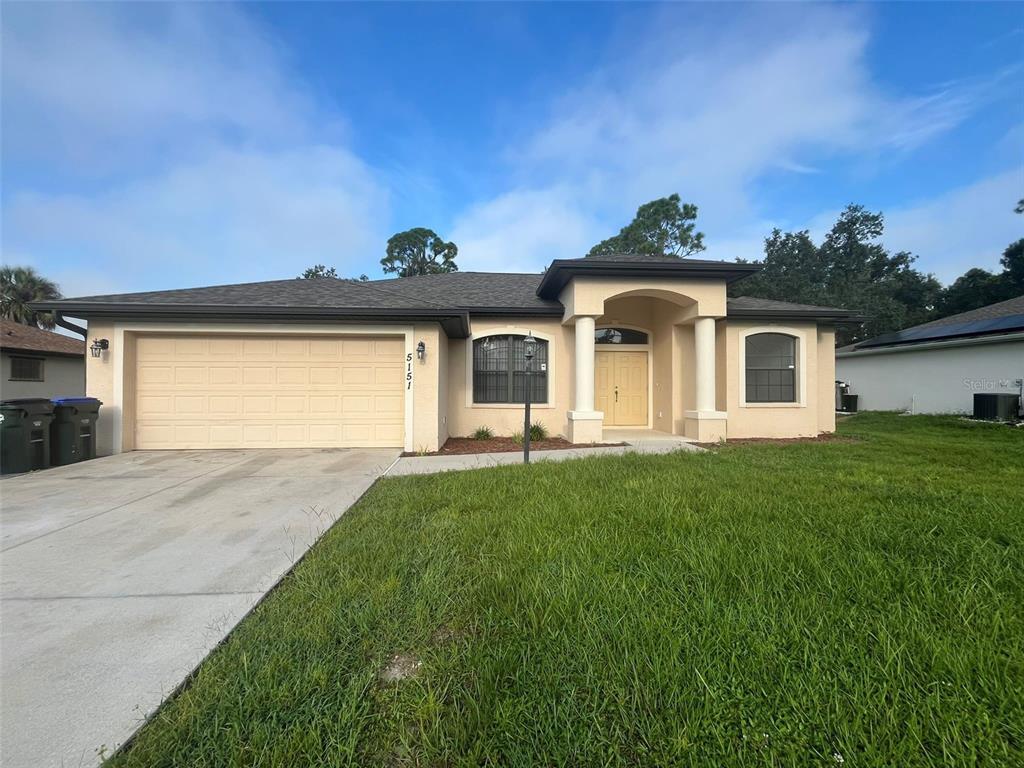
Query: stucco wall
x=937, y=380
x=62, y=377
x=801, y=419
x=464, y=416
x=99, y=383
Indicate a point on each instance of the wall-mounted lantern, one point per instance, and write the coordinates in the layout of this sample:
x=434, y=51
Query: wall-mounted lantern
x=421, y=351
x=98, y=347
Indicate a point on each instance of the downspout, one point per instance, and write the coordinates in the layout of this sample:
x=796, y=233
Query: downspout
x=58, y=318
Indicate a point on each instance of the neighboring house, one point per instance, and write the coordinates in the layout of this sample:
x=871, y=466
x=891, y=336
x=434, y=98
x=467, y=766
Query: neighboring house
x=627, y=341
x=38, y=363
x=937, y=367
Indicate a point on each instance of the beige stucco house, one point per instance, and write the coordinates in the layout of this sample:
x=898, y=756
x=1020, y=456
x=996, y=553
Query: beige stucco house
x=629, y=341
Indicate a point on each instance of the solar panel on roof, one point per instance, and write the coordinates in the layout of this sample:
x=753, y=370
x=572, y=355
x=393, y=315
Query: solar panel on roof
x=953, y=330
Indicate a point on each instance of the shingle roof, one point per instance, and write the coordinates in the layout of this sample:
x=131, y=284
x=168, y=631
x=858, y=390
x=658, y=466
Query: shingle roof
x=321, y=292
x=475, y=290
x=1000, y=318
x=15, y=337
x=1007, y=308
x=478, y=293
x=753, y=303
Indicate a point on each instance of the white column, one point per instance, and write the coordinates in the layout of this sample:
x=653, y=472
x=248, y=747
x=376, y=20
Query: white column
x=704, y=341
x=584, y=401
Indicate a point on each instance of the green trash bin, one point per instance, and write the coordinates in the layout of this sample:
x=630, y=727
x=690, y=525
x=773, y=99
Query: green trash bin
x=25, y=434
x=73, y=431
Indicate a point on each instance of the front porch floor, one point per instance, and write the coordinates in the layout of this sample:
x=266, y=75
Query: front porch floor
x=645, y=440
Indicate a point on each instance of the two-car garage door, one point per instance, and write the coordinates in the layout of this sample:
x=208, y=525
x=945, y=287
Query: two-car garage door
x=199, y=391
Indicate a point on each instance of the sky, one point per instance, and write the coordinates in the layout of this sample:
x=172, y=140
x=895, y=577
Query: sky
x=150, y=146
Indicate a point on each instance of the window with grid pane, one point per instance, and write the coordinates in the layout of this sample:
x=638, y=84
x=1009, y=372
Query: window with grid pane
x=26, y=369
x=499, y=370
x=771, y=368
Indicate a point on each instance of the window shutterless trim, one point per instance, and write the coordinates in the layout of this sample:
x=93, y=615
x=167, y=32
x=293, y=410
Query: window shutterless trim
x=41, y=376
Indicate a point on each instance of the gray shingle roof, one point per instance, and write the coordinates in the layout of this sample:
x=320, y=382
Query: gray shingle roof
x=324, y=292
x=753, y=303
x=999, y=318
x=474, y=292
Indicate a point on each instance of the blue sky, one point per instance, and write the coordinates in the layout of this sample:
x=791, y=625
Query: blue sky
x=152, y=146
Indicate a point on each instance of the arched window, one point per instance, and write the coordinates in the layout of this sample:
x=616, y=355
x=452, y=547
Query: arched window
x=771, y=368
x=619, y=336
x=499, y=370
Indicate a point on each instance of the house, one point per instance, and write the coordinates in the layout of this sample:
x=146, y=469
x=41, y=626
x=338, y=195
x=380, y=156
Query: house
x=38, y=363
x=623, y=341
x=937, y=367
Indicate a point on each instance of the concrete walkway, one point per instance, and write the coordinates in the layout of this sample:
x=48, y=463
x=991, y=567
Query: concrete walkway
x=637, y=441
x=120, y=574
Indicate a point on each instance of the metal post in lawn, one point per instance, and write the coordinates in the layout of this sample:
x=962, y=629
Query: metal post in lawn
x=528, y=344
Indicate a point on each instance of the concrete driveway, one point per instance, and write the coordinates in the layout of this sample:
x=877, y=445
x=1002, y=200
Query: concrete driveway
x=120, y=574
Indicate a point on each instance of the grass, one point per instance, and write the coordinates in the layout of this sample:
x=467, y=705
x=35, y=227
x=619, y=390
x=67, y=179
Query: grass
x=857, y=602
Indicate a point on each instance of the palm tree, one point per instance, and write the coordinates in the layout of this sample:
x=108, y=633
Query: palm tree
x=18, y=287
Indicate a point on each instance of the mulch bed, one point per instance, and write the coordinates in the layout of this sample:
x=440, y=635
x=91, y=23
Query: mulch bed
x=463, y=445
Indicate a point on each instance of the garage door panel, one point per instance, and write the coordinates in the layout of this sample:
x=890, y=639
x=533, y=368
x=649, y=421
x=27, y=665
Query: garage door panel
x=264, y=392
x=152, y=374
x=225, y=376
x=296, y=376
x=191, y=374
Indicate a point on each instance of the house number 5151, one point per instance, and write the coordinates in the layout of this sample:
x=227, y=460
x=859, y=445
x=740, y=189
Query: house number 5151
x=408, y=370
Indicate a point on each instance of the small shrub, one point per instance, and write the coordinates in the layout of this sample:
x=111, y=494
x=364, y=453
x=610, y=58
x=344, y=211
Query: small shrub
x=537, y=432
x=483, y=433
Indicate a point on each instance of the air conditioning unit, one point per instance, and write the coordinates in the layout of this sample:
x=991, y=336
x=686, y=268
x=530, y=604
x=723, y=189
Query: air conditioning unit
x=1002, y=407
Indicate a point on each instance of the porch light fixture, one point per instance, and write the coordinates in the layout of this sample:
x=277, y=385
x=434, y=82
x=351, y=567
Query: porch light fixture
x=421, y=351
x=98, y=346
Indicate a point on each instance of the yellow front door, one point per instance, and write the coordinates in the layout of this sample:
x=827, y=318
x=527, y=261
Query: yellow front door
x=620, y=387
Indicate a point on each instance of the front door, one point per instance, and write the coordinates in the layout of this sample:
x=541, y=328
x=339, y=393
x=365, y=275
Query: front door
x=620, y=387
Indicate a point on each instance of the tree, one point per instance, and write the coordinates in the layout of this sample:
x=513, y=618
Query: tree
x=974, y=288
x=661, y=227
x=419, y=251
x=20, y=286
x=1013, y=269
x=318, y=271
x=849, y=269
x=1019, y=208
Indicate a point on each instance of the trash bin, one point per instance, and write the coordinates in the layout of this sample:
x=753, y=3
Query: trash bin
x=73, y=431
x=25, y=434
x=849, y=403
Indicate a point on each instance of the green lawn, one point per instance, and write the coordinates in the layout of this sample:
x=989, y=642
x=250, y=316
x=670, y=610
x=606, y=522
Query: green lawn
x=857, y=602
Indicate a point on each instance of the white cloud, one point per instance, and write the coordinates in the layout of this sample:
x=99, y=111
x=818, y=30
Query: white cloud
x=967, y=227
x=521, y=231
x=705, y=108
x=193, y=157
x=88, y=83
x=234, y=217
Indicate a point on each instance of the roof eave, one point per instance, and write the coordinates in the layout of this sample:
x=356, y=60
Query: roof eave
x=833, y=318
x=455, y=322
x=561, y=271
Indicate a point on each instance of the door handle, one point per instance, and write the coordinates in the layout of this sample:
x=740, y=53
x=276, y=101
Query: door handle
x=616, y=394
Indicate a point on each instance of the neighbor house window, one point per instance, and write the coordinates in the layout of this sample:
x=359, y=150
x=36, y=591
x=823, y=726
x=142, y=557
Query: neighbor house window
x=26, y=369
x=499, y=370
x=619, y=336
x=771, y=368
